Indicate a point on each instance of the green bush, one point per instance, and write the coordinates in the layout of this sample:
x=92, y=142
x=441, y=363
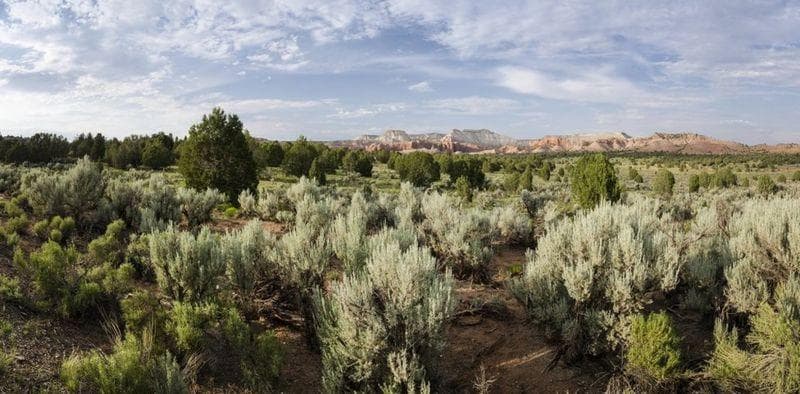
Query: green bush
x=664, y=182
x=197, y=206
x=133, y=367
x=766, y=185
x=188, y=324
x=231, y=212
x=41, y=229
x=579, y=285
x=187, y=267
x=142, y=310
x=358, y=161
x=109, y=247
x=9, y=289
x=694, y=183
x=55, y=235
x=383, y=327
x=216, y=155
x=594, y=180
x=653, y=348
x=419, y=168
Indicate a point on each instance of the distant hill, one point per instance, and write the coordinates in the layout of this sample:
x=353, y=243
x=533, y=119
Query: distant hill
x=487, y=141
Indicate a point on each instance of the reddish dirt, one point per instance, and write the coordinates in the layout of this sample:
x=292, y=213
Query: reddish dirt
x=491, y=332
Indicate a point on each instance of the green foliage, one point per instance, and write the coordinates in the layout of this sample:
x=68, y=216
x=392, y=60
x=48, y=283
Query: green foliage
x=653, y=348
x=589, y=274
x=78, y=192
x=383, y=327
x=298, y=159
x=216, y=155
x=273, y=153
x=460, y=238
x=10, y=290
x=188, y=322
x=109, y=247
x=525, y=180
x=197, y=206
x=766, y=185
x=594, y=180
x=187, y=267
x=142, y=311
x=694, y=183
x=133, y=367
x=796, y=176
x=781, y=178
x=664, y=182
x=156, y=156
x=463, y=189
x=468, y=168
x=358, y=161
x=247, y=256
x=231, y=212
x=419, y=168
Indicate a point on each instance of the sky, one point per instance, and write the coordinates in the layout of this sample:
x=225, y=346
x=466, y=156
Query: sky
x=336, y=69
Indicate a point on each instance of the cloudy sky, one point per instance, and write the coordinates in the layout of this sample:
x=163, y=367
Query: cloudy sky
x=334, y=69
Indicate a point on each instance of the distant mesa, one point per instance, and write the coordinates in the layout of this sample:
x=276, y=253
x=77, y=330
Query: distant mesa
x=487, y=141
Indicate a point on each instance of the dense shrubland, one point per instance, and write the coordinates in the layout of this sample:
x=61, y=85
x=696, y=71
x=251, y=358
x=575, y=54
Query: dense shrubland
x=366, y=253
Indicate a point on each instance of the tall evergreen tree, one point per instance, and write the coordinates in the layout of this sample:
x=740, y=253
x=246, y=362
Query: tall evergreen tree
x=216, y=154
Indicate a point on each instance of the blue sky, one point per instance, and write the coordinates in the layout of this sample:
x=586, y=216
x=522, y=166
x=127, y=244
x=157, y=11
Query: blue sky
x=340, y=68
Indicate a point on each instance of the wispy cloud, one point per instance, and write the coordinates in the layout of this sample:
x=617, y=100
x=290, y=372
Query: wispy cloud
x=421, y=87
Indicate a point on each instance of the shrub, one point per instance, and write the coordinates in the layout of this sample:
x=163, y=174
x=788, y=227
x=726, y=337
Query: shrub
x=188, y=322
x=763, y=243
x=9, y=179
x=247, y=203
x=383, y=327
x=55, y=235
x=349, y=232
x=419, y=168
x=247, y=256
x=796, y=176
x=358, y=161
x=141, y=311
x=781, y=178
x=653, y=348
x=459, y=238
x=9, y=289
x=302, y=256
x=216, y=155
x=259, y=355
x=187, y=267
x=41, y=229
x=78, y=192
x=591, y=273
x=133, y=367
x=231, y=212
x=197, y=206
x=664, y=182
x=270, y=203
x=109, y=247
x=512, y=226
x=463, y=190
x=298, y=159
x=594, y=180
x=766, y=185
x=772, y=361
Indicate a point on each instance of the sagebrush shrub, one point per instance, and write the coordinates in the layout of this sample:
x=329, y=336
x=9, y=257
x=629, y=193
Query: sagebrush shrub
x=764, y=245
x=349, y=232
x=383, y=327
x=9, y=179
x=133, y=367
x=460, y=238
x=513, y=227
x=248, y=205
x=78, y=192
x=591, y=273
x=187, y=267
x=198, y=205
x=248, y=254
x=653, y=348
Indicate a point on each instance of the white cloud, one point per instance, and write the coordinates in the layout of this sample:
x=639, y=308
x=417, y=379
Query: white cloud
x=472, y=105
x=422, y=87
x=590, y=87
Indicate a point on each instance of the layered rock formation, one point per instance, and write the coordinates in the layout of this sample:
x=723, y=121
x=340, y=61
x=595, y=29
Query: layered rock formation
x=487, y=141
